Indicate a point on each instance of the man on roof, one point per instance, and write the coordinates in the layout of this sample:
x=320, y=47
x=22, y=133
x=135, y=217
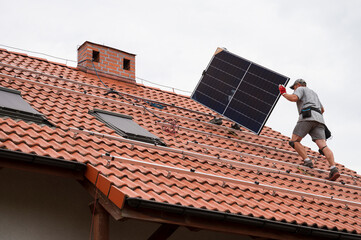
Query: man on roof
x=310, y=122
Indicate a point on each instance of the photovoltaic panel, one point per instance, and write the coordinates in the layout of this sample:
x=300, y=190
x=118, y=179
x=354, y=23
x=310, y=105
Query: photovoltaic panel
x=239, y=89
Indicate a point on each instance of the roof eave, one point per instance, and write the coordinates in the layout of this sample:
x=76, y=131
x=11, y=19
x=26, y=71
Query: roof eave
x=225, y=222
x=43, y=164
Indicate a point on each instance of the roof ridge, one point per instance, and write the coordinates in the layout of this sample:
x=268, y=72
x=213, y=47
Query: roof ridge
x=41, y=59
x=76, y=69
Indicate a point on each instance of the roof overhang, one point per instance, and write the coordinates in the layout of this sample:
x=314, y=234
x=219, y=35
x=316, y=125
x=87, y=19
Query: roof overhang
x=225, y=222
x=42, y=164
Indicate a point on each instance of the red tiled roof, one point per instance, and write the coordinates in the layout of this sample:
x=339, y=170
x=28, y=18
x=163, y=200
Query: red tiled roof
x=239, y=172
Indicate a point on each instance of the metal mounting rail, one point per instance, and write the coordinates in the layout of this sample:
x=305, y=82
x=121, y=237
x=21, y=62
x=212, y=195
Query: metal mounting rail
x=15, y=78
x=98, y=87
x=241, y=154
x=130, y=95
x=275, y=161
x=51, y=76
x=256, y=156
x=140, y=107
x=207, y=134
x=214, y=159
x=193, y=172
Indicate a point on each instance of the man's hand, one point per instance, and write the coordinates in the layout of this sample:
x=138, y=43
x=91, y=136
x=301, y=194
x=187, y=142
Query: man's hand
x=282, y=89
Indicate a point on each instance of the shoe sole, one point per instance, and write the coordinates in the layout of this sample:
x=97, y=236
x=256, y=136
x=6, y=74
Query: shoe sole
x=308, y=166
x=334, y=177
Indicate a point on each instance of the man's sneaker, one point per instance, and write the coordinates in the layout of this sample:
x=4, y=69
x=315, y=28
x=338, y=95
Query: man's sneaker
x=334, y=174
x=308, y=163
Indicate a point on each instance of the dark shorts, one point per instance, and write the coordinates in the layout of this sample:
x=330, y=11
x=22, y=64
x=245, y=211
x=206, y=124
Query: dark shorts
x=315, y=129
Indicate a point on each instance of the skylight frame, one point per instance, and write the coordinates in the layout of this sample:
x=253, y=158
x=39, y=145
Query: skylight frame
x=147, y=137
x=27, y=113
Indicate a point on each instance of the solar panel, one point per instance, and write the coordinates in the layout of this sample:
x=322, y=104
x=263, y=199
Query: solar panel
x=239, y=89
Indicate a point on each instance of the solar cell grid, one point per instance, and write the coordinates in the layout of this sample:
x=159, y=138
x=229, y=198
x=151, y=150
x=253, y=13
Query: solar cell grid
x=238, y=89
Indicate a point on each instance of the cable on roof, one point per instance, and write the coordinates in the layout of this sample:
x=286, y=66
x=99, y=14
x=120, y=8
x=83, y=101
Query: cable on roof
x=157, y=84
x=64, y=59
x=172, y=122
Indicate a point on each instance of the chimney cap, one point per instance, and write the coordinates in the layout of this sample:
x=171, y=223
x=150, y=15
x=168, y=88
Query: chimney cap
x=100, y=45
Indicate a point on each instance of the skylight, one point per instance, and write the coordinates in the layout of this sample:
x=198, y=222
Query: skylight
x=125, y=126
x=14, y=106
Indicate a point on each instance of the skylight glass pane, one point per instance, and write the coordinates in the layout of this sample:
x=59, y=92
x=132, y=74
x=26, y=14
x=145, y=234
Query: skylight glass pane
x=12, y=99
x=126, y=124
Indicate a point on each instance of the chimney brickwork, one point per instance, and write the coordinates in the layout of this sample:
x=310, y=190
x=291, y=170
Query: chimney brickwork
x=109, y=62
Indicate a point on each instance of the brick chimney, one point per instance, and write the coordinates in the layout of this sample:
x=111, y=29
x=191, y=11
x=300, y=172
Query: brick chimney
x=108, y=62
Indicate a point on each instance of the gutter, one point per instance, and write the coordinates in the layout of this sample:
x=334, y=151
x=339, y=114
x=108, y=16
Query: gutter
x=32, y=162
x=184, y=211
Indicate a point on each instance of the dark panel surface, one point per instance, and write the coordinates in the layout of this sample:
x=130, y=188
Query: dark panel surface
x=239, y=89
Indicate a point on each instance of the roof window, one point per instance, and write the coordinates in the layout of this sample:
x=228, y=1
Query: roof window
x=126, y=127
x=14, y=106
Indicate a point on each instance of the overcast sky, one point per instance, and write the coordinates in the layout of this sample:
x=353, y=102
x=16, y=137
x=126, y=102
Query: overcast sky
x=317, y=40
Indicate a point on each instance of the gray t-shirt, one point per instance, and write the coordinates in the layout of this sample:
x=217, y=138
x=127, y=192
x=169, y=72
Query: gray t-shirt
x=308, y=98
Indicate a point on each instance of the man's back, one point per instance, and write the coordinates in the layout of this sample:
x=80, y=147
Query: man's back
x=308, y=98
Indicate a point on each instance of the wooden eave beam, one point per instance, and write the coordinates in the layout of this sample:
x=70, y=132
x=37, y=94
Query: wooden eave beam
x=163, y=232
x=110, y=207
x=154, y=215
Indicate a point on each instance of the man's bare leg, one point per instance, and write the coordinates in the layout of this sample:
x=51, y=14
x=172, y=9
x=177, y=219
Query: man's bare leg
x=299, y=147
x=321, y=143
x=334, y=174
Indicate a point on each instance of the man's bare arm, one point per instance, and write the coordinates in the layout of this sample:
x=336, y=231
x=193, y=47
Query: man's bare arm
x=291, y=97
